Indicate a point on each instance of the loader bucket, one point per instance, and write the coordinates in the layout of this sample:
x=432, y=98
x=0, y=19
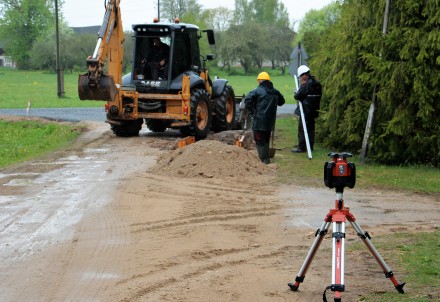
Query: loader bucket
x=104, y=90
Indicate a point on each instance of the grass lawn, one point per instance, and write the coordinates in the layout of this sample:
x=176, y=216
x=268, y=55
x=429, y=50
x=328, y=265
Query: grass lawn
x=419, y=258
x=40, y=87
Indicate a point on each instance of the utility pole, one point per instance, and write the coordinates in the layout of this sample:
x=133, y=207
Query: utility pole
x=158, y=10
x=370, y=119
x=60, y=75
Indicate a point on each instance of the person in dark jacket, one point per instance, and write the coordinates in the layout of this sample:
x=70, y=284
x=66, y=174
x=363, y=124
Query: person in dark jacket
x=157, y=60
x=309, y=94
x=261, y=104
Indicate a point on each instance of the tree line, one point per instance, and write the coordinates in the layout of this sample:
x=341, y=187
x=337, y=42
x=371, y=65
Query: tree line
x=28, y=29
x=399, y=71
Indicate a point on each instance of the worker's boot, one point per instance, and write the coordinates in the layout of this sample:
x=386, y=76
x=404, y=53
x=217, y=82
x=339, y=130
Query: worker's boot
x=263, y=153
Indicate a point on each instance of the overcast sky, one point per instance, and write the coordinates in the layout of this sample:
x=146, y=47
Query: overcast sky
x=79, y=13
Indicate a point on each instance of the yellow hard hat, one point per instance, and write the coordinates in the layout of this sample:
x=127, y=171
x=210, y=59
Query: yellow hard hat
x=263, y=76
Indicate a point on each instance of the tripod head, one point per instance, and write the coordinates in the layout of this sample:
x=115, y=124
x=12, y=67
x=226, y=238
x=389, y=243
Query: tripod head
x=339, y=173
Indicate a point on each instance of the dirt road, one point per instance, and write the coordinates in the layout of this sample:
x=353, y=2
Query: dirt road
x=115, y=219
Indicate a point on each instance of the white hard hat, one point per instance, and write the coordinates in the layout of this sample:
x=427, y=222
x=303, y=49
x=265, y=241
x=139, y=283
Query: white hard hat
x=302, y=69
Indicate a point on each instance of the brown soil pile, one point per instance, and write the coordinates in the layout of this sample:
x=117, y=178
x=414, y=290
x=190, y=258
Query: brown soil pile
x=210, y=159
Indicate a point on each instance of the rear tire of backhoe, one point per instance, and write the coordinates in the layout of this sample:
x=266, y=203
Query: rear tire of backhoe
x=224, y=118
x=128, y=128
x=200, y=116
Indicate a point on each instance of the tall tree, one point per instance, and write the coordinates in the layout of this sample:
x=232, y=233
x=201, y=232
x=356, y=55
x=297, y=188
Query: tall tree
x=172, y=9
x=242, y=12
x=270, y=12
x=282, y=37
x=314, y=24
x=23, y=22
x=243, y=44
x=405, y=64
x=219, y=19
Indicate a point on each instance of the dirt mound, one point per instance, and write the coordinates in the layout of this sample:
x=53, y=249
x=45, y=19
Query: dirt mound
x=210, y=159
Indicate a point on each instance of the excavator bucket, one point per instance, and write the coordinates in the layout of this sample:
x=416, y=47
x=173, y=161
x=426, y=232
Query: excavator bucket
x=103, y=90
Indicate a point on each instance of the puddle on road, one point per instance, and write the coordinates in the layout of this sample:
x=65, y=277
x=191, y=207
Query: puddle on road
x=97, y=150
x=309, y=206
x=18, y=174
x=20, y=182
x=6, y=199
x=100, y=275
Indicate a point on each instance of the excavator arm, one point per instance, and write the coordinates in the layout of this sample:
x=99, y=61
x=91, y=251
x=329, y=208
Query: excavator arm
x=95, y=84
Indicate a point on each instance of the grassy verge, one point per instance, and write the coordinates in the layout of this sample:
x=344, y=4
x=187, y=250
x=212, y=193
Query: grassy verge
x=419, y=258
x=40, y=87
x=25, y=140
x=301, y=170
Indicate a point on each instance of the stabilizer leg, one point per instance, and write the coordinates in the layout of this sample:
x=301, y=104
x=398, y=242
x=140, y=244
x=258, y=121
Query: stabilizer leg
x=365, y=237
x=320, y=234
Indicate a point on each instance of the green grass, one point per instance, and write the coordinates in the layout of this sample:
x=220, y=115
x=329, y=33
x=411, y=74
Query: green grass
x=25, y=140
x=303, y=171
x=40, y=88
x=242, y=83
x=419, y=257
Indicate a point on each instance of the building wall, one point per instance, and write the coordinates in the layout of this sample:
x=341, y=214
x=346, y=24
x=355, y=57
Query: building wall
x=6, y=61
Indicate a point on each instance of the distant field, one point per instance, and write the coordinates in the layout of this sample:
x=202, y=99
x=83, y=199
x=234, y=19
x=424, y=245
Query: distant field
x=40, y=87
x=17, y=87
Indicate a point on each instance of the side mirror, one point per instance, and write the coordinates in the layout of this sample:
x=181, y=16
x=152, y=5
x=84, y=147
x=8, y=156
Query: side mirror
x=210, y=34
x=210, y=57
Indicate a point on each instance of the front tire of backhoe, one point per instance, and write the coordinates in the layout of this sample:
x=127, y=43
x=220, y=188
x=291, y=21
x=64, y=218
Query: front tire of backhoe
x=224, y=110
x=128, y=128
x=201, y=114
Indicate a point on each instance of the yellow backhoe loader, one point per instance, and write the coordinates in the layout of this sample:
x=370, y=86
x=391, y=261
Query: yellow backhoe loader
x=175, y=92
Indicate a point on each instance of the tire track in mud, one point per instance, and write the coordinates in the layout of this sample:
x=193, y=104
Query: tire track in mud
x=211, y=218
x=199, y=211
x=212, y=261
x=89, y=263
x=199, y=207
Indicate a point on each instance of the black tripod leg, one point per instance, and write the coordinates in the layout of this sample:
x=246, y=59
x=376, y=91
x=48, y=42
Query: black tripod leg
x=386, y=269
x=320, y=234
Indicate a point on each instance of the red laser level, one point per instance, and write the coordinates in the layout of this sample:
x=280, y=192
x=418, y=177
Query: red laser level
x=339, y=173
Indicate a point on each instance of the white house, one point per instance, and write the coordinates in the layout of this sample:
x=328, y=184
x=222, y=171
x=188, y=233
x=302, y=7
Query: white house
x=5, y=61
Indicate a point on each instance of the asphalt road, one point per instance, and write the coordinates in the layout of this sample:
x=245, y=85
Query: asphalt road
x=89, y=114
x=63, y=114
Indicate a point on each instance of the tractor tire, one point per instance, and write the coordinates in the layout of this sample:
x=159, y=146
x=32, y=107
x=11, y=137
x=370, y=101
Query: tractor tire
x=156, y=125
x=128, y=128
x=224, y=118
x=200, y=116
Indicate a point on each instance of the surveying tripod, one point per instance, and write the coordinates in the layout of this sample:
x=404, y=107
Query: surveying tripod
x=340, y=173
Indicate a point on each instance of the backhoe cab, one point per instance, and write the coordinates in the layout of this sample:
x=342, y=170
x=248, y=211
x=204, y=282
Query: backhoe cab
x=168, y=87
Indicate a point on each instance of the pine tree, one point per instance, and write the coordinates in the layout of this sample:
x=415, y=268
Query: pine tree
x=404, y=64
